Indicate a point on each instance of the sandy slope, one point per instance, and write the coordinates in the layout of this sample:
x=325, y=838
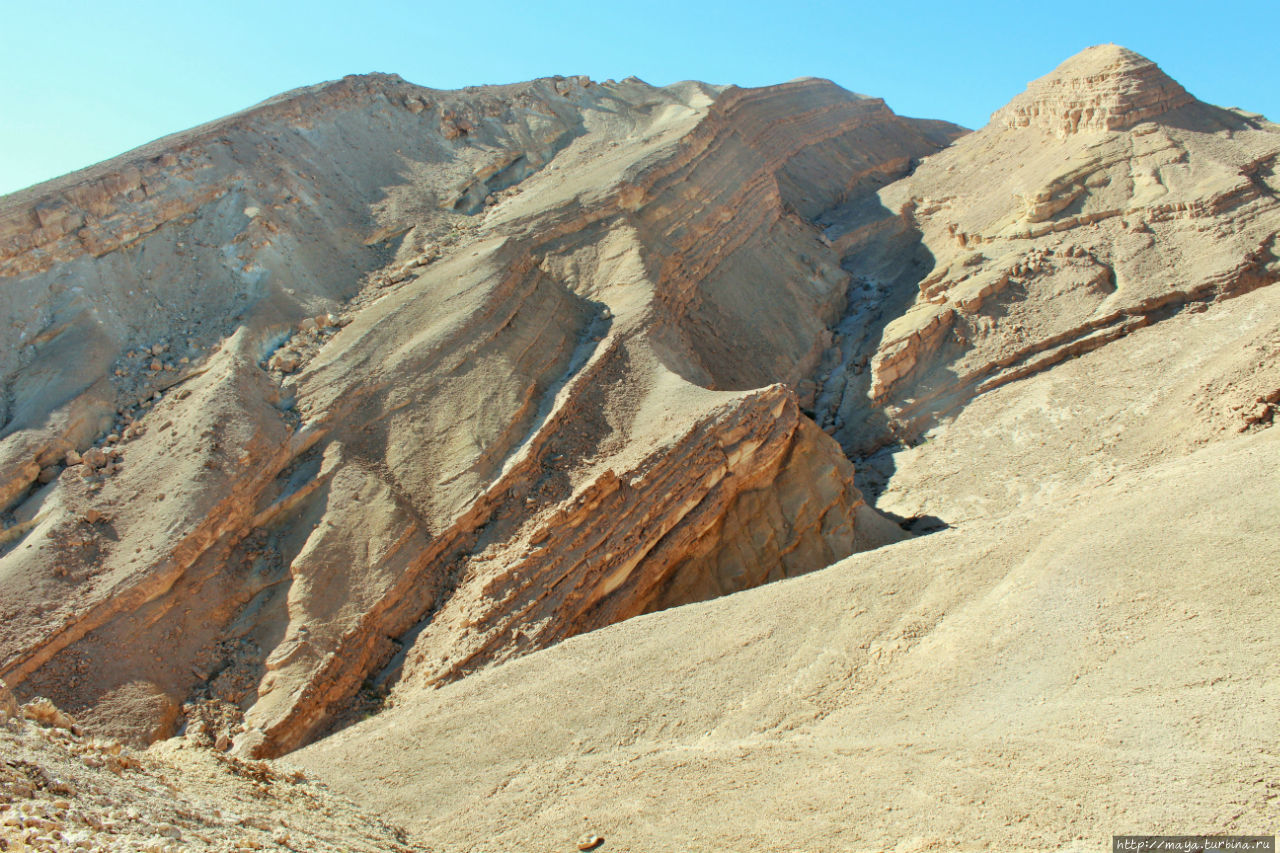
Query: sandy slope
x=1089, y=649
x=1103, y=665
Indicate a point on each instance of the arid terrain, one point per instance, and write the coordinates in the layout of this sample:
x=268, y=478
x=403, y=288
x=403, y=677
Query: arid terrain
x=594, y=465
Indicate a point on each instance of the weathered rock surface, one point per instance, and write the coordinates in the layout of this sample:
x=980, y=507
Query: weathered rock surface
x=1103, y=199
x=1103, y=88
x=461, y=406
x=1022, y=682
x=1102, y=585
x=63, y=792
x=8, y=703
x=456, y=382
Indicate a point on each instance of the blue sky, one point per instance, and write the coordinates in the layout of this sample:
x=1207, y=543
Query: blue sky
x=81, y=82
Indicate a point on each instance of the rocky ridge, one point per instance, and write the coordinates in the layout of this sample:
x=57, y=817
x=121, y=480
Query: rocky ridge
x=378, y=401
x=1020, y=246
x=1106, y=87
x=316, y=495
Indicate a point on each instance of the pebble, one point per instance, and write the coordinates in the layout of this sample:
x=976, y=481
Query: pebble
x=94, y=458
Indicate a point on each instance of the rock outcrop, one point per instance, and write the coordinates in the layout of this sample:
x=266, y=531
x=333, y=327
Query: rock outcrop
x=1009, y=669
x=1106, y=87
x=464, y=374
x=60, y=791
x=1103, y=199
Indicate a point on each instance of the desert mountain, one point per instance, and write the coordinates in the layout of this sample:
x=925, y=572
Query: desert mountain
x=1101, y=200
x=377, y=398
x=373, y=382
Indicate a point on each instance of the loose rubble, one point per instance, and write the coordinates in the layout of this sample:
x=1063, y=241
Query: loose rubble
x=60, y=791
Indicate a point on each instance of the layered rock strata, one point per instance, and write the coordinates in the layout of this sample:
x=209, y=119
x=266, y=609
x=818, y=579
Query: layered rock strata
x=426, y=380
x=1103, y=199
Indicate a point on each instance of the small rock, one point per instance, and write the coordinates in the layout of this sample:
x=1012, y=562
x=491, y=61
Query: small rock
x=48, y=474
x=44, y=712
x=94, y=458
x=8, y=704
x=72, y=458
x=286, y=361
x=308, y=325
x=589, y=842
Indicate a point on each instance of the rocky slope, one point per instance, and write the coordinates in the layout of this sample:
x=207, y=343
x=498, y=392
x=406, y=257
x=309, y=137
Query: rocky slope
x=1103, y=199
x=1109, y=492
x=372, y=367
x=430, y=406
x=62, y=790
x=1034, y=682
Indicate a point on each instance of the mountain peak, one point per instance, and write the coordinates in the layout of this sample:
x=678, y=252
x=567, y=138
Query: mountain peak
x=1105, y=87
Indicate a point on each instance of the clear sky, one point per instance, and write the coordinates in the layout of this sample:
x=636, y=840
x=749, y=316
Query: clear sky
x=83, y=81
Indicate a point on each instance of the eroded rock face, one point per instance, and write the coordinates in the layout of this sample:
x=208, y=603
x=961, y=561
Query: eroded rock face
x=1102, y=88
x=465, y=374
x=1100, y=201
x=373, y=386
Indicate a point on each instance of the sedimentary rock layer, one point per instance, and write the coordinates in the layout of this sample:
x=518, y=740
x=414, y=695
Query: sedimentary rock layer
x=1103, y=199
x=372, y=386
x=456, y=409
x=331, y=393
